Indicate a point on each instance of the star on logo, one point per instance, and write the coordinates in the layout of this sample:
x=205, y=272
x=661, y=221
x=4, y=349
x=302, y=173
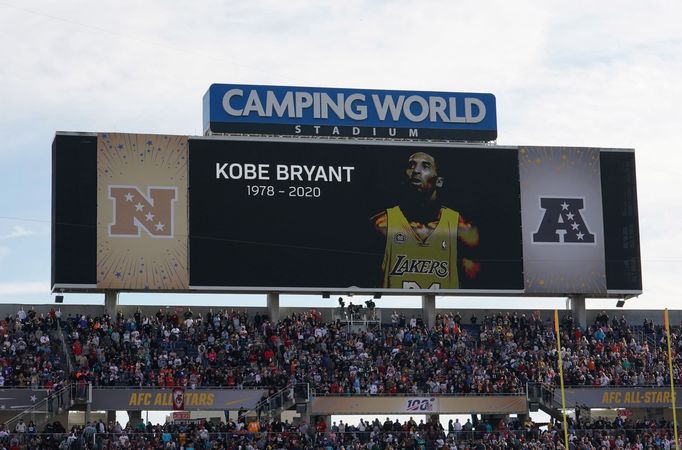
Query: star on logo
x=149, y=216
x=139, y=206
x=34, y=398
x=129, y=197
x=159, y=226
x=117, y=274
x=580, y=236
x=564, y=206
x=570, y=216
x=575, y=226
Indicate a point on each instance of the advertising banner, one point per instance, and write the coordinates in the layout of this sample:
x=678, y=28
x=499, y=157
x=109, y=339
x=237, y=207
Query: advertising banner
x=169, y=399
x=487, y=404
x=310, y=111
x=630, y=397
x=21, y=399
x=141, y=211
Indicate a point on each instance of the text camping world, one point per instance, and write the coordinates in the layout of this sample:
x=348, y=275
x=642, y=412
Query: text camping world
x=283, y=173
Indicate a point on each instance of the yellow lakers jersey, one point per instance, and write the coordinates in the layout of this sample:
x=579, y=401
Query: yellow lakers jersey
x=410, y=263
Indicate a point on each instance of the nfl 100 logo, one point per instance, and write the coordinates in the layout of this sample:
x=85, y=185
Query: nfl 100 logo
x=421, y=404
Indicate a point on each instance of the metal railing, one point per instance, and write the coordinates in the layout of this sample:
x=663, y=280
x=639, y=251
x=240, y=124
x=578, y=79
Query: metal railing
x=281, y=400
x=65, y=348
x=53, y=403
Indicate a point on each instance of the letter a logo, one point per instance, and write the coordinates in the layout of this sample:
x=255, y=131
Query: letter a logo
x=562, y=222
x=134, y=210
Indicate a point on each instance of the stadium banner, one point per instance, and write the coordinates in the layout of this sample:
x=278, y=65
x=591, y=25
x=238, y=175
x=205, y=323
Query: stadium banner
x=22, y=399
x=320, y=216
x=630, y=397
x=142, y=212
x=485, y=404
x=311, y=111
x=561, y=204
x=167, y=400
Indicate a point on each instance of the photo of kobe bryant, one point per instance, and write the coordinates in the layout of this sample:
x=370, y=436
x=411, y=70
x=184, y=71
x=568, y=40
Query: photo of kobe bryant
x=422, y=235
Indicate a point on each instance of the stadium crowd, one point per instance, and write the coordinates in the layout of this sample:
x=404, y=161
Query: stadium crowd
x=499, y=353
x=28, y=355
x=598, y=434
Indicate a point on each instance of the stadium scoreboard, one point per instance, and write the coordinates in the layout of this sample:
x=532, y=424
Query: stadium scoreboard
x=138, y=212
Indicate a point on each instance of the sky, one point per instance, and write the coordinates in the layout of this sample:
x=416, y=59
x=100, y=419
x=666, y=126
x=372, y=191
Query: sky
x=599, y=74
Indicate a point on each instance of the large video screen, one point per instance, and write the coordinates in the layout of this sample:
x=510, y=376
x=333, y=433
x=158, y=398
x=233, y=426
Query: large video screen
x=338, y=215
x=138, y=212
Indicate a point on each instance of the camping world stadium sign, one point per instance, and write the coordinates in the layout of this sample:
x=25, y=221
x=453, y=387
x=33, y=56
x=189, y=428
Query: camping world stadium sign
x=307, y=111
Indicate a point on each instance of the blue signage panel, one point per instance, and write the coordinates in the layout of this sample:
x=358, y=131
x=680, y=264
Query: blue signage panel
x=308, y=111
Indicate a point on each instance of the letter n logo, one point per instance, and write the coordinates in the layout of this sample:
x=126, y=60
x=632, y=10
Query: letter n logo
x=562, y=222
x=134, y=210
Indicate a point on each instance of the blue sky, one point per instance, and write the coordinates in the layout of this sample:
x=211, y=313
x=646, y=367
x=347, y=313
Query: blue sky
x=564, y=73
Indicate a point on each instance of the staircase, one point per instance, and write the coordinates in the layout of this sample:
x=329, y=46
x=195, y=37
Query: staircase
x=543, y=395
x=41, y=412
x=281, y=400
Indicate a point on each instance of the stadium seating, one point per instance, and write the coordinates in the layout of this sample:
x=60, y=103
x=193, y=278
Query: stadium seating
x=498, y=354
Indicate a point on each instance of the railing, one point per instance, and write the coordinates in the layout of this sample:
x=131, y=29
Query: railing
x=518, y=393
x=280, y=400
x=65, y=348
x=54, y=403
x=269, y=404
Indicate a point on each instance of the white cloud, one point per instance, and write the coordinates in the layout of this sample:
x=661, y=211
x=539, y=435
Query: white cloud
x=24, y=288
x=17, y=232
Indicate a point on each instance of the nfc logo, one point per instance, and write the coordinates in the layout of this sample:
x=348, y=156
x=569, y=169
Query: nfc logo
x=562, y=222
x=133, y=210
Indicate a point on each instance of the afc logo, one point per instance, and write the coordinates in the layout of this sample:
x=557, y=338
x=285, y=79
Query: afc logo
x=562, y=222
x=133, y=210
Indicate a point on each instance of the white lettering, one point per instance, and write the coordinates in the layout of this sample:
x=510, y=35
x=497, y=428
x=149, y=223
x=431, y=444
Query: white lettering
x=334, y=175
x=298, y=129
x=407, y=108
x=303, y=101
x=316, y=105
x=286, y=106
x=282, y=172
x=356, y=131
x=453, y=111
x=348, y=170
x=226, y=101
x=328, y=103
x=220, y=170
x=388, y=105
x=469, y=104
x=360, y=112
x=325, y=174
x=296, y=173
x=253, y=104
x=437, y=109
